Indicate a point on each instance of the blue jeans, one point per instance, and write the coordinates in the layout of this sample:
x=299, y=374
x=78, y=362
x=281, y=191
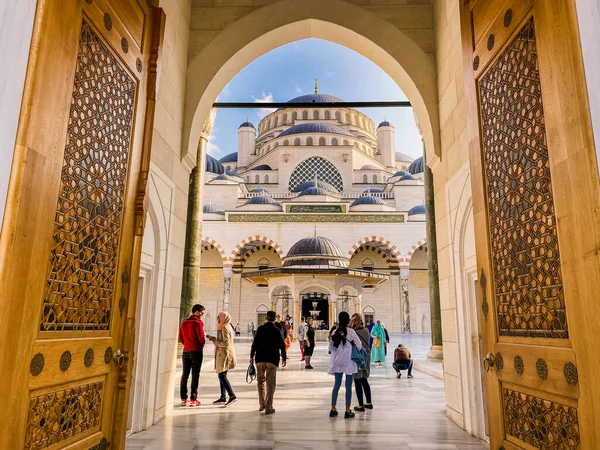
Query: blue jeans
x=336, y=388
x=225, y=385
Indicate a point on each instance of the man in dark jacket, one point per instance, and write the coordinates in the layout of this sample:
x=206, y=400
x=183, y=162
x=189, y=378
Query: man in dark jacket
x=191, y=335
x=402, y=361
x=266, y=347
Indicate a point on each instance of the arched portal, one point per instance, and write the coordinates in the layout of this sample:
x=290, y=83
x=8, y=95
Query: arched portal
x=286, y=21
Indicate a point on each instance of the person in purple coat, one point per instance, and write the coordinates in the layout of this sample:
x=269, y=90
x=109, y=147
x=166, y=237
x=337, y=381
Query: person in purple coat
x=370, y=328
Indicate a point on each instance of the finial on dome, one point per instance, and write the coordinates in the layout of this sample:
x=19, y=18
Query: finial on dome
x=316, y=85
x=315, y=230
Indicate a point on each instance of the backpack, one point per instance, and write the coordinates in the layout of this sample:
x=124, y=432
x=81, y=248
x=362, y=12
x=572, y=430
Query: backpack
x=359, y=356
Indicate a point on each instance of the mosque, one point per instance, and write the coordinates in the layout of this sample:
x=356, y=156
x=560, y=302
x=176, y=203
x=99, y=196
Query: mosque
x=316, y=212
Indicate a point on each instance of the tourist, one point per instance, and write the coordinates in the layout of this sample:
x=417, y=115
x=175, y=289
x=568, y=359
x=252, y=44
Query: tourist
x=332, y=330
x=265, y=350
x=238, y=330
x=249, y=329
x=309, y=343
x=370, y=326
x=252, y=329
x=224, y=356
x=301, y=328
x=288, y=333
x=387, y=338
x=340, y=362
x=361, y=377
x=377, y=350
x=191, y=335
x=402, y=361
x=281, y=326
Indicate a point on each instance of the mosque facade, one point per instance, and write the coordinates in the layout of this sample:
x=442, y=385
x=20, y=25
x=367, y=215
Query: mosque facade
x=316, y=212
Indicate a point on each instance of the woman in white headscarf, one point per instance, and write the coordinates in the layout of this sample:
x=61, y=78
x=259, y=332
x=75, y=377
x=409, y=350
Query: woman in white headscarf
x=224, y=356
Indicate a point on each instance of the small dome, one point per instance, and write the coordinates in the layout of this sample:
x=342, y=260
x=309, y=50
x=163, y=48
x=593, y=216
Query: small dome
x=316, y=127
x=246, y=125
x=407, y=177
x=232, y=173
x=213, y=166
x=316, y=190
x=318, y=183
x=262, y=200
x=315, y=251
x=231, y=176
x=368, y=200
x=259, y=189
x=403, y=157
x=371, y=190
x=213, y=209
x=262, y=167
x=232, y=157
x=419, y=209
x=400, y=173
x=417, y=166
x=385, y=123
x=369, y=167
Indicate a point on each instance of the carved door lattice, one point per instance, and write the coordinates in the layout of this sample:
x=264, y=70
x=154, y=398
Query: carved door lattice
x=526, y=261
x=541, y=423
x=60, y=415
x=87, y=226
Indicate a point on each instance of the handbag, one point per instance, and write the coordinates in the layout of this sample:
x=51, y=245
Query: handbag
x=359, y=356
x=250, y=373
x=376, y=342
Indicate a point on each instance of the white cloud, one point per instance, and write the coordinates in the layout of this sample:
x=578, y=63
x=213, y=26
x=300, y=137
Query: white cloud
x=298, y=89
x=212, y=148
x=265, y=98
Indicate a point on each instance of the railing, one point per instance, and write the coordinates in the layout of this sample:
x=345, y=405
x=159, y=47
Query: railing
x=284, y=195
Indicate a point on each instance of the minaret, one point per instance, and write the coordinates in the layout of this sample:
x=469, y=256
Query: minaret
x=246, y=143
x=386, y=144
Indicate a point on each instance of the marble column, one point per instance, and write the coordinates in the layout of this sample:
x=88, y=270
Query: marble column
x=432, y=264
x=226, y=288
x=404, y=301
x=193, y=233
x=297, y=314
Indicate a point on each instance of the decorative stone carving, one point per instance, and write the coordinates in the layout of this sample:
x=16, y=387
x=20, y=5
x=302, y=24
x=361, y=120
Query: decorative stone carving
x=570, y=372
x=124, y=45
x=36, y=365
x=519, y=366
x=88, y=358
x=508, y=17
x=499, y=362
x=108, y=354
x=363, y=218
x=541, y=368
x=65, y=361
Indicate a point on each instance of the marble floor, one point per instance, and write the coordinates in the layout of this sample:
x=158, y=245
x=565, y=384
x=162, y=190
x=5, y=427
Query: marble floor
x=408, y=414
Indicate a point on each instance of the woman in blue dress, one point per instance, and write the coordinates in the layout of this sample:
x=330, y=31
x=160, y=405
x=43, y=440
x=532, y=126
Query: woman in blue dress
x=378, y=349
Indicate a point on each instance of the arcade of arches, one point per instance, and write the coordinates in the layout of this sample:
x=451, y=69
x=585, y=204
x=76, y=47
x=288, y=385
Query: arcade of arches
x=106, y=112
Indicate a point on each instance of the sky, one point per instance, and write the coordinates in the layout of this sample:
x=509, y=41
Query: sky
x=289, y=71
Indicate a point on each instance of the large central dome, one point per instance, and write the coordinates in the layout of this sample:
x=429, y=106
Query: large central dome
x=315, y=252
x=316, y=127
x=316, y=98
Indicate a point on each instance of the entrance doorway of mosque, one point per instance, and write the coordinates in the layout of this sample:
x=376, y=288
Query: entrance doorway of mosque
x=316, y=305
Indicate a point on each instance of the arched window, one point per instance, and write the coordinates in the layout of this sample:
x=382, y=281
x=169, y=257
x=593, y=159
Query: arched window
x=294, y=116
x=276, y=144
x=334, y=141
x=374, y=179
x=353, y=119
x=286, y=142
x=268, y=148
x=347, y=120
x=368, y=314
x=297, y=141
x=364, y=149
x=322, y=168
x=263, y=264
x=257, y=179
x=266, y=178
x=368, y=264
x=248, y=179
x=276, y=120
x=284, y=119
x=316, y=114
x=365, y=179
x=362, y=123
x=309, y=141
x=304, y=115
x=327, y=115
x=322, y=141
x=346, y=142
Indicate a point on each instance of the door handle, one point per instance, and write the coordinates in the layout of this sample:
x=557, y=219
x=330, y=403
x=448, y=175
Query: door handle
x=119, y=358
x=488, y=362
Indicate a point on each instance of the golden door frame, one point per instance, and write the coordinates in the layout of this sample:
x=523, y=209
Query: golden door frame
x=553, y=377
x=73, y=366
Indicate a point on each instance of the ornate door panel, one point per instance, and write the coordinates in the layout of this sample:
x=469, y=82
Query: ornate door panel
x=74, y=222
x=530, y=147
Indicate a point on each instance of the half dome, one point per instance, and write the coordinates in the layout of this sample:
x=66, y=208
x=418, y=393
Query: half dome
x=316, y=127
x=368, y=200
x=262, y=200
x=316, y=252
x=369, y=167
x=400, y=173
x=403, y=157
x=232, y=157
x=262, y=167
x=371, y=190
x=416, y=210
x=213, y=166
x=315, y=183
x=417, y=166
x=317, y=190
x=213, y=209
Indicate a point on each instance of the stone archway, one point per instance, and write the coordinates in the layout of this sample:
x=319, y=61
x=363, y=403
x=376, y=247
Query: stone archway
x=283, y=22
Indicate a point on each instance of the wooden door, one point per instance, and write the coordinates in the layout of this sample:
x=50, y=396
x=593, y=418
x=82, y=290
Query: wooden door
x=72, y=230
x=535, y=204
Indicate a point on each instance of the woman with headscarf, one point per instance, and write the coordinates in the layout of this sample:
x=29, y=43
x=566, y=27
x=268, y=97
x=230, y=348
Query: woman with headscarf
x=224, y=356
x=378, y=350
x=361, y=378
x=340, y=362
